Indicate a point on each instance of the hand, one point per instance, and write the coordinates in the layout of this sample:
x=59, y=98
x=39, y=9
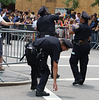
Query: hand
x=17, y=23
x=55, y=86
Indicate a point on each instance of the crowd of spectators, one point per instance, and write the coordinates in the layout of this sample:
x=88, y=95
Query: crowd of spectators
x=27, y=17
x=62, y=26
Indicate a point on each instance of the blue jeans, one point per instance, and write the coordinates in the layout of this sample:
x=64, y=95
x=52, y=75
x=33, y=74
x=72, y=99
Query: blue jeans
x=93, y=38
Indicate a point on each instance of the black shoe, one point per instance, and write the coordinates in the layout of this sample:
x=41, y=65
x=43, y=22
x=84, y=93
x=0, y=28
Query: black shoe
x=33, y=87
x=9, y=43
x=56, y=77
x=80, y=82
x=41, y=93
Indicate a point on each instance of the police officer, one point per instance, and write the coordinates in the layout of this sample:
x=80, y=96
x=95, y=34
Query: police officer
x=37, y=59
x=46, y=25
x=81, y=49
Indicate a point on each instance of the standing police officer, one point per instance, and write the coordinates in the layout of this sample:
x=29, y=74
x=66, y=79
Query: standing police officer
x=46, y=26
x=37, y=59
x=81, y=49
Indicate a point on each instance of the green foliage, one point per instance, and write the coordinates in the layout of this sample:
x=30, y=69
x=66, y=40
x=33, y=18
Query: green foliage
x=7, y=2
x=29, y=0
x=95, y=3
x=75, y=4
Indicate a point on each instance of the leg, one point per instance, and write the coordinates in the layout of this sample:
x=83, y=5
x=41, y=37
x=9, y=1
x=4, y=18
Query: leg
x=33, y=77
x=8, y=38
x=1, y=61
x=44, y=78
x=83, y=66
x=74, y=67
x=1, y=68
x=31, y=60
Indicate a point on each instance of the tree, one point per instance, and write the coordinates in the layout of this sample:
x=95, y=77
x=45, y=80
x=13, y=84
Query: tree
x=7, y=2
x=95, y=3
x=75, y=4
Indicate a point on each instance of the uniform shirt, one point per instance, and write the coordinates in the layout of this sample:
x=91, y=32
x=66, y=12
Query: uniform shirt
x=0, y=21
x=50, y=46
x=82, y=32
x=46, y=23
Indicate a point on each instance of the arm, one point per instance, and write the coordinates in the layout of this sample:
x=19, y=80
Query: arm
x=55, y=69
x=9, y=23
x=61, y=17
x=70, y=30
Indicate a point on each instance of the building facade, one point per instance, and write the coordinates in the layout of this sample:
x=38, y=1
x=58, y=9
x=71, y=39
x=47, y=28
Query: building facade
x=34, y=5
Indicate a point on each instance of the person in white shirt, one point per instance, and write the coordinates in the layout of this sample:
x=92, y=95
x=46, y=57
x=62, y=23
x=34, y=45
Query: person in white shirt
x=34, y=25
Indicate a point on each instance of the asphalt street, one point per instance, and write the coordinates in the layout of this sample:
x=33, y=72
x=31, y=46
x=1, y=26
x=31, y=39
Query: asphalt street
x=19, y=73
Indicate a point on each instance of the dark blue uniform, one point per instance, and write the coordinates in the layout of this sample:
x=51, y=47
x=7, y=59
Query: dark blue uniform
x=50, y=46
x=46, y=27
x=81, y=49
x=46, y=24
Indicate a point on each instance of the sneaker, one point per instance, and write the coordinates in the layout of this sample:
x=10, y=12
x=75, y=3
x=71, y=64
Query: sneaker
x=2, y=69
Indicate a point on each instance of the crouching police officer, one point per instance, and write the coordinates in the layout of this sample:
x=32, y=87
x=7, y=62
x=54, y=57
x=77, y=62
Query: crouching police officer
x=81, y=49
x=37, y=58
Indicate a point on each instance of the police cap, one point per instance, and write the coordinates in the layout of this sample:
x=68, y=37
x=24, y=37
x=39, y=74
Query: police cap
x=42, y=9
x=67, y=43
x=85, y=15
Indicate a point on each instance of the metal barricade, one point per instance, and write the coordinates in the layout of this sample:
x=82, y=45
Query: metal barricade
x=97, y=40
x=15, y=50
x=96, y=43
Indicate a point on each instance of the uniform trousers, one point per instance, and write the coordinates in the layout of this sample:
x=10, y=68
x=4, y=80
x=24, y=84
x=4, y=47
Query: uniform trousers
x=79, y=54
x=38, y=66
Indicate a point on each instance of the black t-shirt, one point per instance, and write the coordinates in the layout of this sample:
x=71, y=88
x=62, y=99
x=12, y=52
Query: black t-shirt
x=83, y=32
x=46, y=23
x=7, y=20
x=50, y=45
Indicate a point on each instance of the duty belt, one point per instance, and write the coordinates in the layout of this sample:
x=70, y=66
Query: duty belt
x=45, y=34
x=80, y=42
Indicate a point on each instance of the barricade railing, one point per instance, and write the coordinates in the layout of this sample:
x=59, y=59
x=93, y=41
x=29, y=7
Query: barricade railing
x=15, y=50
x=95, y=44
x=18, y=39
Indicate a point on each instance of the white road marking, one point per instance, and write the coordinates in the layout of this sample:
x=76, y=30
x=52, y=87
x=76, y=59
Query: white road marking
x=62, y=56
x=72, y=79
x=55, y=97
x=49, y=65
x=52, y=96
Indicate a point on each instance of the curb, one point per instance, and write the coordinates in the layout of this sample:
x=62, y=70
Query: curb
x=14, y=83
x=2, y=83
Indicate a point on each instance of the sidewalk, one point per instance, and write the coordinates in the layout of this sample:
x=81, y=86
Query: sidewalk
x=15, y=75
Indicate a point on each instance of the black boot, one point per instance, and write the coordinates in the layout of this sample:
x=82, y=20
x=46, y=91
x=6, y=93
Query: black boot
x=79, y=82
x=41, y=93
x=56, y=77
x=33, y=87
